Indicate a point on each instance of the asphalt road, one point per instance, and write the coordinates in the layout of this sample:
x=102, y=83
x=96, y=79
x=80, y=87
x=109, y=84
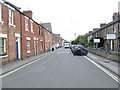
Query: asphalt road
x=60, y=69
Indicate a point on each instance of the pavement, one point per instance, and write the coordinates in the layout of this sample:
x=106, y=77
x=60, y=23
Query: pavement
x=111, y=65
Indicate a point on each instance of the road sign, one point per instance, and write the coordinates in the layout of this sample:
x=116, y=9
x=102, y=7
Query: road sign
x=96, y=40
x=111, y=36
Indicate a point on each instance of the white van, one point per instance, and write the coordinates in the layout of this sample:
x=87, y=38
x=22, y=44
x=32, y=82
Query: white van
x=67, y=45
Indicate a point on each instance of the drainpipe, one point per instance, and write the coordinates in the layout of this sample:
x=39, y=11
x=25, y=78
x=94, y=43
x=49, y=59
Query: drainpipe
x=21, y=36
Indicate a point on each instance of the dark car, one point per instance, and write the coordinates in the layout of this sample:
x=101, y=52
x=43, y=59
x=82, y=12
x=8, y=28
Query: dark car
x=79, y=50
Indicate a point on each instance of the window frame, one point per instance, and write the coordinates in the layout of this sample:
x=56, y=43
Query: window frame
x=32, y=26
x=11, y=16
x=26, y=23
x=0, y=12
x=114, y=28
x=3, y=48
x=39, y=30
x=118, y=26
x=28, y=46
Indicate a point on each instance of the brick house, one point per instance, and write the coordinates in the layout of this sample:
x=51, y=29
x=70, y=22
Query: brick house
x=20, y=35
x=57, y=40
x=48, y=40
x=48, y=36
x=10, y=46
x=33, y=34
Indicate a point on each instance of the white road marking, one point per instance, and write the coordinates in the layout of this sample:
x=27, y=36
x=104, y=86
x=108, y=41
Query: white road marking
x=104, y=70
x=63, y=52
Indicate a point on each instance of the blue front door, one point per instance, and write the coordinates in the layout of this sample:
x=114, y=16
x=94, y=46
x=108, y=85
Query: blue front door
x=17, y=53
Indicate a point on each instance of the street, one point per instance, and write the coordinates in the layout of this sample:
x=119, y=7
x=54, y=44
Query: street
x=59, y=69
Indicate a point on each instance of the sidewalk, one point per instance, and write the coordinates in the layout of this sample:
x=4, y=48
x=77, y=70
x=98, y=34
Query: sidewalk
x=109, y=64
x=13, y=65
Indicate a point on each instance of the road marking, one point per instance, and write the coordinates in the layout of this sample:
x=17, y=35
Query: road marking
x=63, y=52
x=24, y=66
x=104, y=70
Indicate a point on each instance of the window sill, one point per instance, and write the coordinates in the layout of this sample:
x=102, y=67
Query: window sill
x=3, y=56
x=28, y=52
x=27, y=30
x=11, y=25
x=2, y=22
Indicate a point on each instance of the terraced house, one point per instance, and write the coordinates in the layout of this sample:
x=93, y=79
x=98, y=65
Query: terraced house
x=21, y=36
x=10, y=46
x=109, y=35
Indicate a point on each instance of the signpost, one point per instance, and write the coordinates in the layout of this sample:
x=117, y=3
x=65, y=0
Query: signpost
x=111, y=37
x=96, y=41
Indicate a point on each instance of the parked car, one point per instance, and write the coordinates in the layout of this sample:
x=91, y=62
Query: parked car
x=79, y=50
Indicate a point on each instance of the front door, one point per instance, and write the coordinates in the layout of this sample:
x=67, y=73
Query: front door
x=17, y=49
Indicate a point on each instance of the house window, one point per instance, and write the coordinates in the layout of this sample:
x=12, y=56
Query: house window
x=28, y=46
x=38, y=30
x=0, y=12
x=26, y=24
x=2, y=46
x=11, y=22
x=32, y=26
x=114, y=27
x=119, y=26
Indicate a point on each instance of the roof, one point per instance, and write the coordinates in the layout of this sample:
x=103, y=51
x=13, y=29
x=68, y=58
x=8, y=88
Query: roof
x=107, y=25
x=12, y=5
x=18, y=9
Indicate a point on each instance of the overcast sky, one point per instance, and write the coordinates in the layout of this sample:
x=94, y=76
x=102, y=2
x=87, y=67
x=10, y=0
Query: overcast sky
x=70, y=16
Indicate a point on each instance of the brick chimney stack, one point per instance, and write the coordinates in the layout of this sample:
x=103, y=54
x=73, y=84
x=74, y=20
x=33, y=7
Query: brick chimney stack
x=116, y=16
x=28, y=13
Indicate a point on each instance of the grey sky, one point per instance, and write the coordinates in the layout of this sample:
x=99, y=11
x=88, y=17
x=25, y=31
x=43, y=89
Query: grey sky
x=70, y=16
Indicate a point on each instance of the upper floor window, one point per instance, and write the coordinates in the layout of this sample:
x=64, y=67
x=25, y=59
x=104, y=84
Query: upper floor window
x=114, y=28
x=0, y=12
x=26, y=23
x=38, y=30
x=32, y=26
x=11, y=17
x=119, y=27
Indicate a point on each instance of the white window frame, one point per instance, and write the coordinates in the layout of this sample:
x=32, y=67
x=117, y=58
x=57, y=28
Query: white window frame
x=32, y=26
x=114, y=28
x=28, y=39
x=26, y=23
x=0, y=12
x=11, y=17
x=28, y=46
x=4, y=36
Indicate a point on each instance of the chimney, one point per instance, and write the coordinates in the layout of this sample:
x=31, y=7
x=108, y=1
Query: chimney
x=28, y=13
x=95, y=29
x=116, y=16
x=102, y=24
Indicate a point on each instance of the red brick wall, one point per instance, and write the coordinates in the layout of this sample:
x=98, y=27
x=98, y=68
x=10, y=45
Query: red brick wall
x=10, y=31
